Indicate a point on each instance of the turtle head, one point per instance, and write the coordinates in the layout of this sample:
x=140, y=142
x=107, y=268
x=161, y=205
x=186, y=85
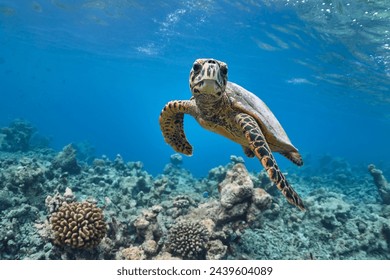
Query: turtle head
x=208, y=77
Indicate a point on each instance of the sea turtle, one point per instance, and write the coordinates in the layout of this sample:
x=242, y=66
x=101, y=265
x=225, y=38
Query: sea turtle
x=230, y=110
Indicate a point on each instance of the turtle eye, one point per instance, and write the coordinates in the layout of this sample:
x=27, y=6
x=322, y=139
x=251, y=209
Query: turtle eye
x=196, y=67
x=224, y=70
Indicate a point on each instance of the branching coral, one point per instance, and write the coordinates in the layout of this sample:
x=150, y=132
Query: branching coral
x=78, y=225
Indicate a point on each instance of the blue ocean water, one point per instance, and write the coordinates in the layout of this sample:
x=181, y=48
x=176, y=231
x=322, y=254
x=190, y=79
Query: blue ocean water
x=101, y=71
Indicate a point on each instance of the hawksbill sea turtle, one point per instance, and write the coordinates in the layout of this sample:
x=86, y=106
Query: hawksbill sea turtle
x=232, y=111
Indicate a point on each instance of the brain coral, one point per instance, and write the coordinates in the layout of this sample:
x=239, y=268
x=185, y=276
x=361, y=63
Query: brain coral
x=78, y=225
x=188, y=240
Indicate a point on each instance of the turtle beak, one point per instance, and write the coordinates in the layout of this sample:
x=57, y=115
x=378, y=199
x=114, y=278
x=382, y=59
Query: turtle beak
x=207, y=87
x=211, y=78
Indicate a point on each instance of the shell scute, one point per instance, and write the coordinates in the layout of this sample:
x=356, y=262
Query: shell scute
x=245, y=101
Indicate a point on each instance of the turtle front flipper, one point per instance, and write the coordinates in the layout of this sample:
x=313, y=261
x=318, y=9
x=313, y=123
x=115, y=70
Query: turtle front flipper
x=171, y=124
x=260, y=148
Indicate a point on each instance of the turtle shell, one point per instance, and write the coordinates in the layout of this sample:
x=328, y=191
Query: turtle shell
x=245, y=101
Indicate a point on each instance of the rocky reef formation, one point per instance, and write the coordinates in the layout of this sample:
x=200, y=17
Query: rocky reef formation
x=197, y=227
x=66, y=160
x=381, y=183
x=55, y=207
x=16, y=137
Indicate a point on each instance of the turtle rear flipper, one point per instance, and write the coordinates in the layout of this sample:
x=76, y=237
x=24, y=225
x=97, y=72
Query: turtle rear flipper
x=248, y=152
x=262, y=151
x=171, y=124
x=295, y=157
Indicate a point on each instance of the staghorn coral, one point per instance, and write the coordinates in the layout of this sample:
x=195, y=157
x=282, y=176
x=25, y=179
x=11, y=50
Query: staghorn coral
x=188, y=240
x=78, y=225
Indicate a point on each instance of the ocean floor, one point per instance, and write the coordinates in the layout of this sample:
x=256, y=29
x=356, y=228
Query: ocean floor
x=68, y=205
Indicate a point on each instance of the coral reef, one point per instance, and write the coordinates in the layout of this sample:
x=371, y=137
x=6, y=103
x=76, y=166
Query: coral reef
x=148, y=229
x=237, y=187
x=85, y=151
x=239, y=199
x=67, y=161
x=381, y=183
x=16, y=137
x=176, y=159
x=229, y=214
x=216, y=250
x=54, y=202
x=131, y=253
x=331, y=229
x=78, y=225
